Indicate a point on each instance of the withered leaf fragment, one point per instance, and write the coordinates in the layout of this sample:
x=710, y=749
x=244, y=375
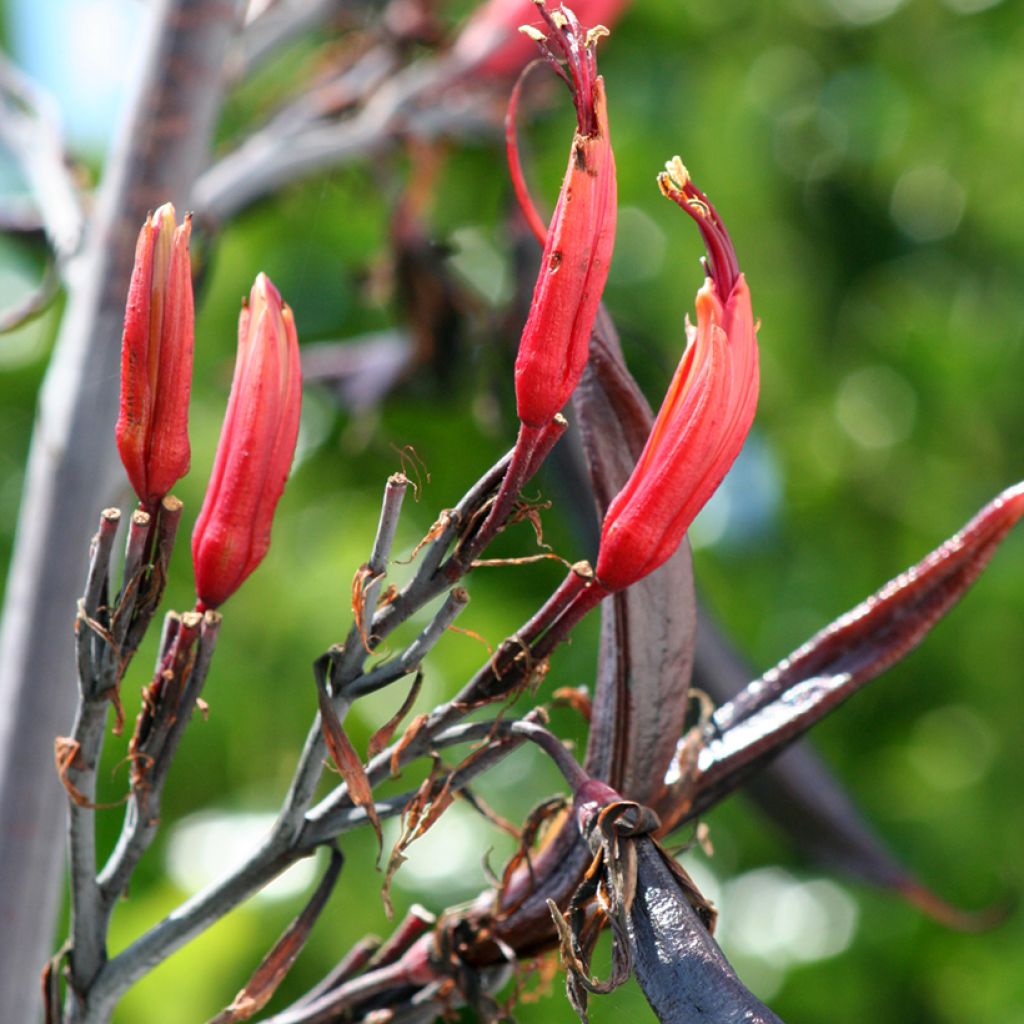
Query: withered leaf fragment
x=344, y=754
x=278, y=962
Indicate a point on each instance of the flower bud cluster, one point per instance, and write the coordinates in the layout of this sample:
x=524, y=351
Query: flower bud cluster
x=260, y=429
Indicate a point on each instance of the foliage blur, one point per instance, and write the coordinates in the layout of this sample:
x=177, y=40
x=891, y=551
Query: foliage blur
x=866, y=156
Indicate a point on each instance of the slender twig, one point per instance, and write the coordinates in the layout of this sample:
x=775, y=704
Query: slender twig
x=427, y=583
x=349, y=965
x=92, y=608
x=280, y=24
x=531, y=448
x=150, y=579
x=348, y=664
x=87, y=932
x=134, y=559
x=303, y=786
x=29, y=127
x=82, y=753
x=417, y=921
x=357, y=643
x=265, y=162
x=331, y=1004
x=181, y=675
x=34, y=304
x=410, y=659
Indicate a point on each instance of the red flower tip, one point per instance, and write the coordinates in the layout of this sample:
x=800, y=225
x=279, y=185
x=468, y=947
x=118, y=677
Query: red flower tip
x=257, y=442
x=490, y=47
x=156, y=359
x=703, y=420
x=578, y=249
x=721, y=264
x=572, y=50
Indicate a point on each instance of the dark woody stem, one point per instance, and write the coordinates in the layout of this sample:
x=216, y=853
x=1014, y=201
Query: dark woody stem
x=78, y=772
x=518, y=658
x=532, y=446
x=555, y=749
x=107, y=633
x=186, y=653
x=150, y=543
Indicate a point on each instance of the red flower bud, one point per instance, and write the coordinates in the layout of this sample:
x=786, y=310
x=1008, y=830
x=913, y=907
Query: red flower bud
x=156, y=359
x=257, y=442
x=704, y=419
x=490, y=44
x=578, y=250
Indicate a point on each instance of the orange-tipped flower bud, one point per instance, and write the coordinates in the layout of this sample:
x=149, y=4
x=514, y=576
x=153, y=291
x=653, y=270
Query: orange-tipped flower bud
x=491, y=46
x=156, y=359
x=257, y=442
x=704, y=419
x=578, y=250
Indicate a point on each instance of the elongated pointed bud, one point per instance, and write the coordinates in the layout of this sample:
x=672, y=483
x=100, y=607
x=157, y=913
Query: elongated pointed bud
x=156, y=359
x=704, y=419
x=574, y=267
x=257, y=442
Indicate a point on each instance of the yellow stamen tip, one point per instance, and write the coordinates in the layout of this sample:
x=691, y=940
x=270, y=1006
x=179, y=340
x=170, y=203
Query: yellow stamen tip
x=677, y=172
x=534, y=33
x=595, y=33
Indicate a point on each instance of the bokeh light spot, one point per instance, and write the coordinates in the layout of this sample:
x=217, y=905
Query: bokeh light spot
x=876, y=407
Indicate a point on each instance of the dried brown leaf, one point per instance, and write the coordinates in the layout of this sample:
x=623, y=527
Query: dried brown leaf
x=346, y=759
x=362, y=579
x=382, y=737
x=65, y=752
x=49, y=980
x=278, y=962
x=430, y=801
x=575, y=697
x=408, y=736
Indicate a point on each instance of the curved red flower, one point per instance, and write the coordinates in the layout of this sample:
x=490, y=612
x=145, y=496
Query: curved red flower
x=577, y=253
x=704, y=418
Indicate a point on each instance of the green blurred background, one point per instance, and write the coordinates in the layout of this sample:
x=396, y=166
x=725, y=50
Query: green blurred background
x=866, y=155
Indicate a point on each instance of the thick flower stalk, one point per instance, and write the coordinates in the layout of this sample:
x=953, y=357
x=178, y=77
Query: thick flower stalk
x=156, y=359
x=254, y=455
x=704, y=419
x=578, y=250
